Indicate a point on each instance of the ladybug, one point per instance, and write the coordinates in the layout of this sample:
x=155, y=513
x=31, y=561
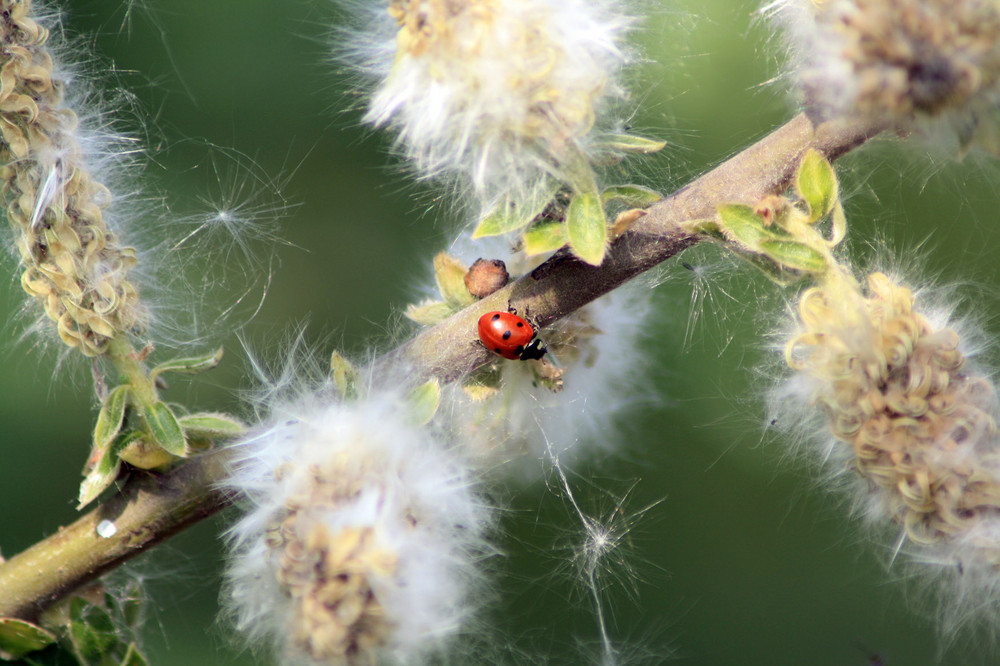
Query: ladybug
x=510, y=336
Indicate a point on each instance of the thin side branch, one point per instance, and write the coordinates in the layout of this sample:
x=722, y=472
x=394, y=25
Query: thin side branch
x=154, y=507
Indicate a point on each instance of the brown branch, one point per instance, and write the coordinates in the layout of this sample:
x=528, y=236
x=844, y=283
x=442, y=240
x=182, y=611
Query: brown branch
x=153, y=507
x=563, y=284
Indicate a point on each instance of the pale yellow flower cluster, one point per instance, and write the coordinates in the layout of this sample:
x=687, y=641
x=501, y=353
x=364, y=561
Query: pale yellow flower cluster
x=898, y=391
x=328, y=575
x=73, y=264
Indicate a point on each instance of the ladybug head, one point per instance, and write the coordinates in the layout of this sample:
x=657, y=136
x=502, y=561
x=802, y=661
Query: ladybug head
x=534, y=350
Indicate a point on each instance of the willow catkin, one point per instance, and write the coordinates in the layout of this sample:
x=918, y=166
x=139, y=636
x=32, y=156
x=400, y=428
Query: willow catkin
x=73, y=264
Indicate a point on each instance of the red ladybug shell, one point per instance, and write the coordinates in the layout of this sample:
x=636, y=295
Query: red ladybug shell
x=505, y=333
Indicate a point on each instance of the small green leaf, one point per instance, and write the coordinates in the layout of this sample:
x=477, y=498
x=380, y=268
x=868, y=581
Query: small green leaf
x=189, y=366
x=633, y=196
x=484, y=382
x=95, y=483
x=774, y=272
x=794, y=256
x=429, y=313
x=742, y=225
x=105, y=469
x=423, y=401
x=449, y=273
x=91, y=630
x=211, y=426
x=164, y=428
x=133, y=657
x=144, y=454
x=544, y=236
x=629, y=143
x=502, y=219
x=838, y=224
x=707, y=227
x=511, y=215
x=586, y=227
x=110, y=418
x=479, y=392
x=18, y=638
x=817, y=184
x=127, y=602
x=344, y=376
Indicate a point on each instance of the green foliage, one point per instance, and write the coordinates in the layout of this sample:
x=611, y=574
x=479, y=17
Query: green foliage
x=188, y=366
x=791, y=255
x=110, y=418
x=633, y=196
x=90, y=631
x=211, y=426
x=612, y=148
x=781, y=236
x=629, y=143
x=423, y=401
x=543, y=236
x=104, y=469
x=429, y=313
x=135, y=427
x=816, y=184
x=449, y=273
x=511, y=215
x=572, y=212
x=344, y=376
x=164, y=428
x=18, y=638
x=587, y=227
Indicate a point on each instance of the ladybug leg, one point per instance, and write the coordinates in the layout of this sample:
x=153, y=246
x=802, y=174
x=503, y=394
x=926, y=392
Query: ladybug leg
x=530, y=320
x=527, y=316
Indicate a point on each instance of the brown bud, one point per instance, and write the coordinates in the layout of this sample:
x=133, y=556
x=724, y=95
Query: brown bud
x=486, y=276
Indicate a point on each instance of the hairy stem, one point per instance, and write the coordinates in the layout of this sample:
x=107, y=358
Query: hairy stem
x=153, y=507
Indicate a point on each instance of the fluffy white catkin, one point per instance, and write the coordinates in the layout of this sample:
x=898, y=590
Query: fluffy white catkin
x=362, y=536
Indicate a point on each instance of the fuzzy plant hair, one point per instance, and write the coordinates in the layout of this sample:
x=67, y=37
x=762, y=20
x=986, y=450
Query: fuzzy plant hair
x=361, y=537
x=930, y=66
x=495, y=95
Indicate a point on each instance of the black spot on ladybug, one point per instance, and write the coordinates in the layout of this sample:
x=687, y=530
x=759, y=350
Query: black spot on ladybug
x=496, y=350
x=495, y=317
x=506, y=334
x=520, y=324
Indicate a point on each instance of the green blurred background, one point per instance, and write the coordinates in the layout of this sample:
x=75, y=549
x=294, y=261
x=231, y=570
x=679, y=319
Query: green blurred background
x=744, y=560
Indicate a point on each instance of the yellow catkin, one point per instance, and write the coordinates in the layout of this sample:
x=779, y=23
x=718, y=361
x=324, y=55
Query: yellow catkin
x=898, y=392
x=336, y=616
x=73, y=264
